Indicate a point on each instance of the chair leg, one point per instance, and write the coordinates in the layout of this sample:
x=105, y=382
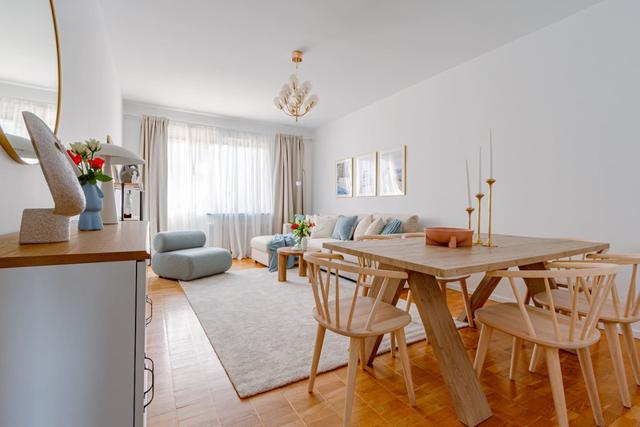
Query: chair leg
x=363, y=359
x=536, y=356
x=557, y=388
x=611, y=331
x=406, y=365
x=467, y=303
x=516, y=349
x=409, y=302
x=633, y=351
x=483, y=346
x=316, y=356
x=354, y=349
x=392, y=339
x=584, y=356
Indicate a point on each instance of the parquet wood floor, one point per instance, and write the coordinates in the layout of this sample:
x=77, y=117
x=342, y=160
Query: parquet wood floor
x=192, y=388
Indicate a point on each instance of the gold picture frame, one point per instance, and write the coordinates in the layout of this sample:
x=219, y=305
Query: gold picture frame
x=392, y=172
x=365, y=175
x=344, y=178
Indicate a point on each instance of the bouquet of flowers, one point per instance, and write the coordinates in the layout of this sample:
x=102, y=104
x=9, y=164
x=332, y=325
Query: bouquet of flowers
x=300, y=229
x=90, y=166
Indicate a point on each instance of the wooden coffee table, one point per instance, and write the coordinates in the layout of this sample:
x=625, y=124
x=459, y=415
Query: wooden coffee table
x=283, y=255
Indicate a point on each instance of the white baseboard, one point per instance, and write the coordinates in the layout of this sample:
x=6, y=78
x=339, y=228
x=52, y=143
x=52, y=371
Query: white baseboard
x=500, y=298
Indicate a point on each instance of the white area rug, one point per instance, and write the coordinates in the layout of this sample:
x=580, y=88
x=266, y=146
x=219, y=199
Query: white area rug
x=263, y=330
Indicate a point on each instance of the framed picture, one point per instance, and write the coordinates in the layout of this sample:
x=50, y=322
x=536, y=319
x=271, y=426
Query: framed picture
x=344, y=178
x=392, y=171
x=365, y=174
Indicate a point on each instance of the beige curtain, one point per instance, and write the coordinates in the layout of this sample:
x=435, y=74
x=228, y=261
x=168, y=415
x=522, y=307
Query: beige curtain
x=288, y=177
x=153, y=145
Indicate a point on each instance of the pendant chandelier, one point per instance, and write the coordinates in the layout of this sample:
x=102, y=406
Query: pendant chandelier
x=294, y=99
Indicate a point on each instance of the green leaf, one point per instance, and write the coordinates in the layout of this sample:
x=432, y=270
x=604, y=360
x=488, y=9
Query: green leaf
x=103, y=178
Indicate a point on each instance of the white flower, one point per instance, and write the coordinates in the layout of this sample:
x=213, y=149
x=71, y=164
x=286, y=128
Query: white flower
x=93, y=145
x=78, y=148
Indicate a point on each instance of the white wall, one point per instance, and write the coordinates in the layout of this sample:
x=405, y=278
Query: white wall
x=564, y=105
x=91, y=105
x=133, y=112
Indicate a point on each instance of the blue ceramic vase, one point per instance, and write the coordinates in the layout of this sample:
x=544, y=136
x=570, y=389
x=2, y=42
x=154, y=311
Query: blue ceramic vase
x=90, y=219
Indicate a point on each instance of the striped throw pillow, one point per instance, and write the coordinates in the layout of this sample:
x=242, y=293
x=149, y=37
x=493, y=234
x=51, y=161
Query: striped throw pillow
x=392, y=228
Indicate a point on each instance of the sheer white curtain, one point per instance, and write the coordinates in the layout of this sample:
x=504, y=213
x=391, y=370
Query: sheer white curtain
x=11, y=114
x=220, y=182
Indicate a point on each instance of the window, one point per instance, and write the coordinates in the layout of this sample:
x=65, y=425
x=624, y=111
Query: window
x=220, y=176
x=11, y=114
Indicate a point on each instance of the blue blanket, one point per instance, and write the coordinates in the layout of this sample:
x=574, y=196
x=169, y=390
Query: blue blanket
x=280, y=241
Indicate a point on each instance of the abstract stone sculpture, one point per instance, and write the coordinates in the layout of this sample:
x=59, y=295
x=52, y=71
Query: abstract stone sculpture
x=51, y=225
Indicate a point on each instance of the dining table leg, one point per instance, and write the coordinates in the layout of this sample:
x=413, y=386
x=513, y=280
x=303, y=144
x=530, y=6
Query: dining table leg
x=469, y=400
x=488, y=284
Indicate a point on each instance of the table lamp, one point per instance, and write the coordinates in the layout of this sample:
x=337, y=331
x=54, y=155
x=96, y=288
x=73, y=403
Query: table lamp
x=114, y=155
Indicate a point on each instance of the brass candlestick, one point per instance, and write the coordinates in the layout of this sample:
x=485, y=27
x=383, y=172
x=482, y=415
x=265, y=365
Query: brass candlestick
x=479, y=196
x=469, y=212
x=490, y=181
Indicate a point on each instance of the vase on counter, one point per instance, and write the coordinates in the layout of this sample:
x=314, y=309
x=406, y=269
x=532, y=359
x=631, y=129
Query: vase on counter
x=90, y=219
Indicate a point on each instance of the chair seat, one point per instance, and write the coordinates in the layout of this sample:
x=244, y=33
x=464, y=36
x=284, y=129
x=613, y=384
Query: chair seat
x=388, y=318
x=562, y=301
x=507, y=317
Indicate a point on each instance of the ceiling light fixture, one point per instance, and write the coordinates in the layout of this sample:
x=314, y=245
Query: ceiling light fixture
x=294, y=99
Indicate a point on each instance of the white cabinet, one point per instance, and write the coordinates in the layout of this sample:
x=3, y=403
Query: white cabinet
x=72, y=341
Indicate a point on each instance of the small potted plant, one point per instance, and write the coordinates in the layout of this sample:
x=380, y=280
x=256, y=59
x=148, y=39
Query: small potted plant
x=84, y=156
x=301, y=230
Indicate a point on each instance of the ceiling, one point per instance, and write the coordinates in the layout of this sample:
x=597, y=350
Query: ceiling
x=231, y=57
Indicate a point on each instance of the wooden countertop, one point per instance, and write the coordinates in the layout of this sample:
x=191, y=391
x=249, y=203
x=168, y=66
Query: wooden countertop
x=126, y=241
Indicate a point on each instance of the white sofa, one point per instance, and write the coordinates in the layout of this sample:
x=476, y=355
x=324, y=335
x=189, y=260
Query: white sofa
x=259, y=252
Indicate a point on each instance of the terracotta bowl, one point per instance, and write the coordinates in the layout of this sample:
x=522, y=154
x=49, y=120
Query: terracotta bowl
x=448, y=236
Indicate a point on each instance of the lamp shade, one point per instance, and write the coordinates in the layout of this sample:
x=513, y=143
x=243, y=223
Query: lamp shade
x=120, y=155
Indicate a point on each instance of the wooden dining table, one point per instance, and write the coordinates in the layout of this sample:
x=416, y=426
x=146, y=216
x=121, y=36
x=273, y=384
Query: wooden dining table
x=424, y=263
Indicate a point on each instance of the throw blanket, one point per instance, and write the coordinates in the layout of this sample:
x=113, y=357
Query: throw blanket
x=280, y=241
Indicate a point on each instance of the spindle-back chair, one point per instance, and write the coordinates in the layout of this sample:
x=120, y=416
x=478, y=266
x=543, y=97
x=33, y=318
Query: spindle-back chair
x=354, y=316
x=551, y=330
x=618, y=311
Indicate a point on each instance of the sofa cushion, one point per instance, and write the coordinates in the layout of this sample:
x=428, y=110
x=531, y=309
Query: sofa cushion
x=190, y=264
x=392, y=228
x=362, y=226
x=409, y=222
x=167, y=241
x=344, y=227
x=261, y=242
x=315, y=245
x=375, y=228
x=324, y=225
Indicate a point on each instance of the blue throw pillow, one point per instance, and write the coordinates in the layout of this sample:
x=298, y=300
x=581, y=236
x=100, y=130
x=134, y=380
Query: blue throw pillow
x=392, y=228
x=345, y=226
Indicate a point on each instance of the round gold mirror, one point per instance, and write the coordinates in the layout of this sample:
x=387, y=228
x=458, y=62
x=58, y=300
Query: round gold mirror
x=30, y=73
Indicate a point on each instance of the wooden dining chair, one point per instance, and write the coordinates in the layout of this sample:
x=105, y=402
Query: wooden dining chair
x=365, y=262
x=551, y=330
x=617, y=313
x=354, y=316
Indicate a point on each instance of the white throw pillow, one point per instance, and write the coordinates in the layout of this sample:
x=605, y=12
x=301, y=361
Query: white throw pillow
x=324, y=226
x=375, y=227
x=361, y=228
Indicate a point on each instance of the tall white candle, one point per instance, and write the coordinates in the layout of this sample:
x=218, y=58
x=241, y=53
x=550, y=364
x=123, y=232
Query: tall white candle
x=466, y=162
x=490, y=153
x=480, y=171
